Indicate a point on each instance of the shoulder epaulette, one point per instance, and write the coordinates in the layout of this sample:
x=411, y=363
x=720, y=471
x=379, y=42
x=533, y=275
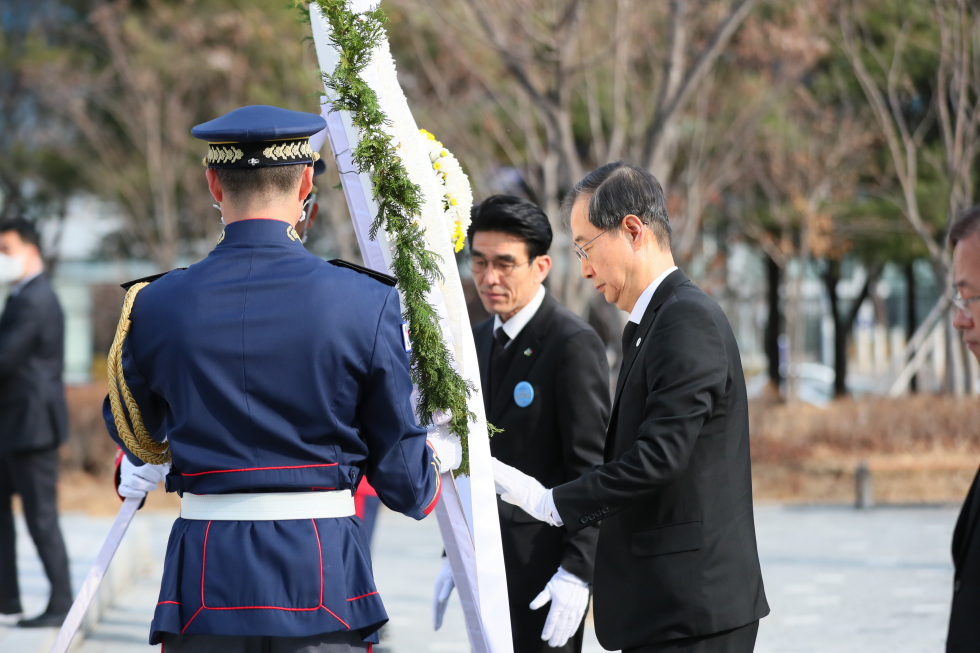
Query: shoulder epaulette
x=149, y=279
x=386, y=279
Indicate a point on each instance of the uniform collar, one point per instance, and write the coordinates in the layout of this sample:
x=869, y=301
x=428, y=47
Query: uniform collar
x=259, y=231
x=516, y=324
x=644, y=299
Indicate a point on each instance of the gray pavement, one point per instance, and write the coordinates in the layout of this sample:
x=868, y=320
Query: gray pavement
x=844, y=580
x=838, y=581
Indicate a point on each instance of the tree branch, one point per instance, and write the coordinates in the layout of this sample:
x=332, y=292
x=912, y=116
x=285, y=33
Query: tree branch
x=667, y=112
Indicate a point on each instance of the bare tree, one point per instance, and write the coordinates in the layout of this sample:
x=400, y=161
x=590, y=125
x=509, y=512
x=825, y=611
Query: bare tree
x=559, y=87
x=806, y=165
x=770, y=60
x=683, y=73
x=133, y=81
x=881, y=66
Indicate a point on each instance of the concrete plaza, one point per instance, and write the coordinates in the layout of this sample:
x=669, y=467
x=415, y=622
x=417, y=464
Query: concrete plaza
x=838, y=580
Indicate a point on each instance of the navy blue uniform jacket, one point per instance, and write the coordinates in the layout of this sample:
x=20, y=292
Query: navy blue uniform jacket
x=271, y=370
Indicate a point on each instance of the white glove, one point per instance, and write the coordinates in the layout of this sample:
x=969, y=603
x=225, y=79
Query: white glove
x=569, y=596
x=440, y=595
x=525, y=492
x=135, y=482
x=447, y=445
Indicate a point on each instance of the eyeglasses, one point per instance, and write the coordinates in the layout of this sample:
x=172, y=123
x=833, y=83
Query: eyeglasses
x=479, y=265
x=580, y=250
x=961, y=303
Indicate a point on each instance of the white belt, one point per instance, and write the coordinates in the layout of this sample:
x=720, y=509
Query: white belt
x=267, y=506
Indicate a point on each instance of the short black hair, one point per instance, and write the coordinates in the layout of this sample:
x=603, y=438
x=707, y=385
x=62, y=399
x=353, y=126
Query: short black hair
x=24, y=228
x=512, y=215
x=617, y=190
x=966, y=224
x=242, y=185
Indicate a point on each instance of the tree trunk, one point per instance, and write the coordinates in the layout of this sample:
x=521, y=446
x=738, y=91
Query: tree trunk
x=910, y=317
x=830, y=279
x=771, y=336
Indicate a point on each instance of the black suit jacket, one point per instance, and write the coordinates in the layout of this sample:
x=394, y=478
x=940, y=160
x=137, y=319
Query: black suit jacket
x=555, y=439
x=33, y=412
x=677, y=553
x=964, y=618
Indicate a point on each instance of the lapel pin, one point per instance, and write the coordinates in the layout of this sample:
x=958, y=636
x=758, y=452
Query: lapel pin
x=638, y=342
x=528, y=352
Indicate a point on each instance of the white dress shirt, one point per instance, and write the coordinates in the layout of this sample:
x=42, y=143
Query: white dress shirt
x=640, y=307
x=516, y=324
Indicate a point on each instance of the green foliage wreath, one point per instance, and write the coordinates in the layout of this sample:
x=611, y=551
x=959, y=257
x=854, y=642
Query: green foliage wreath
x=399, y=205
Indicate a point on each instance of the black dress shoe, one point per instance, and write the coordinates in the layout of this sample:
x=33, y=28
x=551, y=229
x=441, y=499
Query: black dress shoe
x=44, y=620
x=10, y=607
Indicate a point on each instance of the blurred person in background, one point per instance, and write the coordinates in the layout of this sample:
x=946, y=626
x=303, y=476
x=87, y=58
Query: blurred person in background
x=545, y=383
x=964, y=618
x=33, y=419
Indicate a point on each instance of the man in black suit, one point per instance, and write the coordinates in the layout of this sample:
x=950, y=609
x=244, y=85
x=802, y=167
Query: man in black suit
x=964, y=618
x=677, y=567
x=33, y=419
x=545, y=384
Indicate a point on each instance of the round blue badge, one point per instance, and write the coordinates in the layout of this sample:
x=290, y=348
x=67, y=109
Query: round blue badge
x=523, y=394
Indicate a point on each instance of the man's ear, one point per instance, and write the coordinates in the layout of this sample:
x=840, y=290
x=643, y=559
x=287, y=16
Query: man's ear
x=542, y=266
x=214, y=185
x=632, y=227
x=306, y=183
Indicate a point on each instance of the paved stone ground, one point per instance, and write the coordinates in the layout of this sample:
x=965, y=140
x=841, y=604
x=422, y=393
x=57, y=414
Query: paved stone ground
x=838, y=581
x=844, y=580
x=83, y=536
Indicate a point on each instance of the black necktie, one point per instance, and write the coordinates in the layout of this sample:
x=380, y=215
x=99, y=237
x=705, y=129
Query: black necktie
x=628, y=334
x=500, y=340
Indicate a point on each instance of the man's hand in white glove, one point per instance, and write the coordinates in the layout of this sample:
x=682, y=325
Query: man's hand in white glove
x=525, y=492
x=447, y=446
x=135, y=482
x=440, y=594
x=569, y=596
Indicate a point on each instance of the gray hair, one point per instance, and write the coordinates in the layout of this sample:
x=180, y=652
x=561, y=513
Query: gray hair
x=617, y=190
x=966, y=224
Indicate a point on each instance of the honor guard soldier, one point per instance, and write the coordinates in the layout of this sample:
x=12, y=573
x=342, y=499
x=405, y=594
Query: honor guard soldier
x=263, y=383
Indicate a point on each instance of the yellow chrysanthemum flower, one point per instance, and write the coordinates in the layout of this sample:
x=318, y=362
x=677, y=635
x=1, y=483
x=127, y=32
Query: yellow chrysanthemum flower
x=459, y=237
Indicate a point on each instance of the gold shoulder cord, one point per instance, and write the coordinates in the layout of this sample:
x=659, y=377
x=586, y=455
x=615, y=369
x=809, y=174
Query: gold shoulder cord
x=138, y=441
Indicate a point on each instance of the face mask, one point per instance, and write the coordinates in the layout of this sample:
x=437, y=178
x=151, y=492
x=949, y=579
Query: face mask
x=11, y=269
